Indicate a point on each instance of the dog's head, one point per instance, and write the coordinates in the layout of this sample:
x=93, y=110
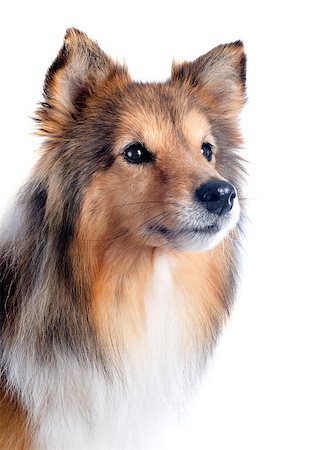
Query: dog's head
x=151, y=163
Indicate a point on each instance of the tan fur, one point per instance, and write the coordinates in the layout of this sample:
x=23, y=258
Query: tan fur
x=118, y=278
x=202, y=278
x=14, y=434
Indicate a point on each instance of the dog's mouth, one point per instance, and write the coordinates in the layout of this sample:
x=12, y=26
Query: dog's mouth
x=192, y=231
x=199, y=235
x=172, y=233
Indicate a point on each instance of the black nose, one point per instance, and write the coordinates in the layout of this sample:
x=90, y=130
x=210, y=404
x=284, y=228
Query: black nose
x=217, y=196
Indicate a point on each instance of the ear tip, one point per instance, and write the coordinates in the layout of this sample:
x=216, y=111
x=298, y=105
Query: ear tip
x=236, y=46
x=73, y=34
x=239, y=43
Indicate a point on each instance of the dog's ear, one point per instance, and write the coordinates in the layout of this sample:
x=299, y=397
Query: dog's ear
x=78, y=68
x=219, y=77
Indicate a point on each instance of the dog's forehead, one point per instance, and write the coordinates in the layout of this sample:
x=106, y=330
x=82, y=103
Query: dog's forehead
x=160, y=116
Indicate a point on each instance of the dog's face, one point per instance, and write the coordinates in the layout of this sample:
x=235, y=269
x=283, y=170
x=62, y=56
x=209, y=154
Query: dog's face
x=163, y=186
x=160, y=158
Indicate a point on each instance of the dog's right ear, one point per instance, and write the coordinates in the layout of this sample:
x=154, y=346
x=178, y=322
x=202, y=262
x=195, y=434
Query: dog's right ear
x=219, y=77
x=71, y=79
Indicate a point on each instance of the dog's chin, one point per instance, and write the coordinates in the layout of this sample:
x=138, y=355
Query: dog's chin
x=194, y=238
x=198, y=241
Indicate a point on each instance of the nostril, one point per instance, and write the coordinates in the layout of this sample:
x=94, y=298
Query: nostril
x=232, y=197
x=211, y=197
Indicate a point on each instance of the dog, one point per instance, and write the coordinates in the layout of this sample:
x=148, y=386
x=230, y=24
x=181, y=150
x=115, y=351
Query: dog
x=120, y=259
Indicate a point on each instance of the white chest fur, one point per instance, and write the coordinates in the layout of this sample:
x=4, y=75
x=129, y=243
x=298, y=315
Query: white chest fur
x=87, y=413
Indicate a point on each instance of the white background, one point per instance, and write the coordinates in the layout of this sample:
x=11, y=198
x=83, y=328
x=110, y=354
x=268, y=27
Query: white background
x=256, y=393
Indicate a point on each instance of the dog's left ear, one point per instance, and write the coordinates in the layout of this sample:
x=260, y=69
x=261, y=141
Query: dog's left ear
x=218, y=77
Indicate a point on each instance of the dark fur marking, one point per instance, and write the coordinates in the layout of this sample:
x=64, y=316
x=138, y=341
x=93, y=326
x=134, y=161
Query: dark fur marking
x=59, y=62
x=7, y=288
x=243, y=70
x=80, y=96
x=109, y=161
x=45, y=105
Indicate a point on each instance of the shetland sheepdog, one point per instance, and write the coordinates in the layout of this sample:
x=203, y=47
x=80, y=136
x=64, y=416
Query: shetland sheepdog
x=119, y=262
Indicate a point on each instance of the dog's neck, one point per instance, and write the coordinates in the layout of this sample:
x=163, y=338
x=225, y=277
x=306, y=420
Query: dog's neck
x=124, y=276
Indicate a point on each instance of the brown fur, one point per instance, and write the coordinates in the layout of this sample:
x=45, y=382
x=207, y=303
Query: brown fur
x=14, y=433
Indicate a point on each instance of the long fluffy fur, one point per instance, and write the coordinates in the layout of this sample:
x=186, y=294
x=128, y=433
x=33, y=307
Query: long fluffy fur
x=102, y=331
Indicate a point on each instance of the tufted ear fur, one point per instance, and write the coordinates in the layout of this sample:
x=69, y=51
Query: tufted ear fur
x=78, y=68
x=219, y=76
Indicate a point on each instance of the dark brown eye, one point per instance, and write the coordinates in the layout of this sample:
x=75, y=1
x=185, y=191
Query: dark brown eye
x=137, y=153
x=206, y=149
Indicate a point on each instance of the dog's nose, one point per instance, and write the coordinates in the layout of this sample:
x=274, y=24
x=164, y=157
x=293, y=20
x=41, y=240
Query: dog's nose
x=217, y=196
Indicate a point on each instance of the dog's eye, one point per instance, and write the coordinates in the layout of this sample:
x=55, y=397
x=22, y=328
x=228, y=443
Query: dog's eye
x=206, y=150
x=137, y=154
